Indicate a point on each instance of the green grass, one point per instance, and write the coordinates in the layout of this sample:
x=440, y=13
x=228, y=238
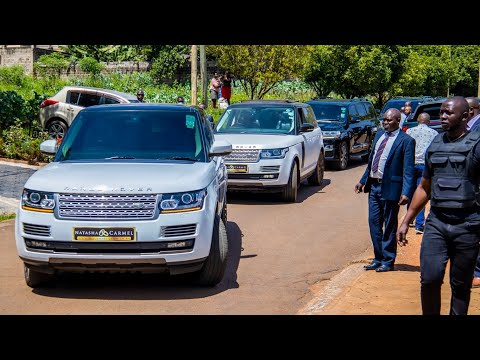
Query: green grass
x=6, y=217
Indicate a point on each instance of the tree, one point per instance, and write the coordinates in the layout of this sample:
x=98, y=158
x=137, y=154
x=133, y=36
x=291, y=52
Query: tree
x=320, y=70
x=259, y=68
x=167, y=60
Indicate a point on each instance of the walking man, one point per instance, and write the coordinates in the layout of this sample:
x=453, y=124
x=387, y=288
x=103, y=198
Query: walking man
x=389, y=181
x=423, y=135
x=451, y=180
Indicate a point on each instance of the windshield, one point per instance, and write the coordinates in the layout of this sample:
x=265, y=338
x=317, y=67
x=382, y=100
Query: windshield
x=329, y=112
x=398, y=104
x=257, y=119
x=120, y=135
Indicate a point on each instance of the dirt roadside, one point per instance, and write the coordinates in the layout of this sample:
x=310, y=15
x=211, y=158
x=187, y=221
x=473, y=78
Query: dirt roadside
x=355, y=291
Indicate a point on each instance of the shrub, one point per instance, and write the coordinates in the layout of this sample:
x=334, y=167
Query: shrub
x=18, y=144
x=13, y=75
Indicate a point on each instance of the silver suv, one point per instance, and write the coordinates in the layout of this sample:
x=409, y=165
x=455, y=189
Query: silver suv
x=137, y=187
x=58, y=112
x=276, y=144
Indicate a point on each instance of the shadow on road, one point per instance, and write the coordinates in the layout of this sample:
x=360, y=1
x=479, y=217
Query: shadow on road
x=407, y=267
x=145, y=286
x=259, y=198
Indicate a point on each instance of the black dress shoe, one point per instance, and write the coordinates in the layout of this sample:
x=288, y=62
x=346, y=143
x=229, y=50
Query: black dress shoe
x=372, y=266
x=384, y=268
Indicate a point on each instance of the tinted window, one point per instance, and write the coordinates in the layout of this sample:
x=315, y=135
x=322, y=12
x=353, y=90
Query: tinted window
x=133, y=134
x=257, y=119
x=311, y=117
x=432, y=110
x=352, y=111
x=362, y=112
x=72, y=98
x=370, y=110
x=87, y=100
x=329, y=112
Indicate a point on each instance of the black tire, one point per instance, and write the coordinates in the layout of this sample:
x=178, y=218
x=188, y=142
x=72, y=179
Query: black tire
x=290, y=191
x=36, y=279
x=57, y=128
x=214, y=267
x=342, y=162
x=316, y=179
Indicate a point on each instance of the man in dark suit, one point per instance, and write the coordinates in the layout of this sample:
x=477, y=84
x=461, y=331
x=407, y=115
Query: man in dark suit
x=389, y=181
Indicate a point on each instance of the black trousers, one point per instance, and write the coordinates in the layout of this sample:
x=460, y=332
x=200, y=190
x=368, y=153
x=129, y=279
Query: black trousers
x=443, y=241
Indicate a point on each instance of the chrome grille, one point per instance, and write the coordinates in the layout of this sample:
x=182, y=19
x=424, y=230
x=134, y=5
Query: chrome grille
x=178, y=230
x=94, y=206
x=39, y=230
x=273, y=168
x=244, y=155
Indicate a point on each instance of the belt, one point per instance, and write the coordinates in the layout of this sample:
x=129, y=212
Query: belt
x=376, y=180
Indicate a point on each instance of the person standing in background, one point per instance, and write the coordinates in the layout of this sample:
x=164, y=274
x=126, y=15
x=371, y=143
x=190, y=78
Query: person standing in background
x=423, y=135
x=226, y=80
x=388, y=179
x=140, y=95
x=214, y=89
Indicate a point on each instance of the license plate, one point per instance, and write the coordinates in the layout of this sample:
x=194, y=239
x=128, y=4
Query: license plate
x=234, y=168
x=104, y=234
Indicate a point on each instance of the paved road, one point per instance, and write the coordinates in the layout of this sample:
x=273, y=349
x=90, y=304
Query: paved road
x=12, y=179
x=279, y=254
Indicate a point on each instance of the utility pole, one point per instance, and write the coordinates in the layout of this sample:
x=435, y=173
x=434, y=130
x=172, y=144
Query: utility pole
x=203, y=74
x=193, y=59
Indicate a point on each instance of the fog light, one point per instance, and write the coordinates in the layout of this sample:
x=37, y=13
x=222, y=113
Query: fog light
x=36, y=244
x=176, y=244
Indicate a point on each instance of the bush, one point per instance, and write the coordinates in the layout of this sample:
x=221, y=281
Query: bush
x=12, y=75
x=18, y=144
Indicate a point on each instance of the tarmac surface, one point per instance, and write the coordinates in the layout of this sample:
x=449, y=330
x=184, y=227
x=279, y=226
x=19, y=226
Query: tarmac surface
x=353, y=291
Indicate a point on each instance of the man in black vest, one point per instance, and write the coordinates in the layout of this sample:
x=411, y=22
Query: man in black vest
x=452, y=230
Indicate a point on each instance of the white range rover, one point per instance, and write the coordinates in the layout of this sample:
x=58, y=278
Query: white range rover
x=137, y=187
x=276, y=144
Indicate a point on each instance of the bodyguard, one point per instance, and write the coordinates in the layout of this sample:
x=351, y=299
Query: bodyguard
x=452, y=230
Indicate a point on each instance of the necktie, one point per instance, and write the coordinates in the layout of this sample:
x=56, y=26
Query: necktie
x=379, y=153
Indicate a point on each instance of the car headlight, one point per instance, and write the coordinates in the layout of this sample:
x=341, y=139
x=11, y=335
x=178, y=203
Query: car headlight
x=37, y=201
x=273, y=153
x=331, y=134
x=182, y=202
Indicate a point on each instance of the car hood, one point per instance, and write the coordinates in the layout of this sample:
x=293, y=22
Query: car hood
x=133, y=178
x=254, y=141
x=331, y=126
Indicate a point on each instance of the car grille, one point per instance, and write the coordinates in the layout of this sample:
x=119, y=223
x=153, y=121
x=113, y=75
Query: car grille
x=243, y=155
x=108, y=207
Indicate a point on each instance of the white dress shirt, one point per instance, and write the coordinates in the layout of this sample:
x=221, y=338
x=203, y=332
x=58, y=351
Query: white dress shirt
x=383, y=158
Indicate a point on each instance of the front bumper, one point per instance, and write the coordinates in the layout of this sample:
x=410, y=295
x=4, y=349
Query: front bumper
x=176, y=242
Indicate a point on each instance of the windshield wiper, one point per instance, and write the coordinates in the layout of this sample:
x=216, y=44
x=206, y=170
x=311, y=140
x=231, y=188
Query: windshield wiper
x=119, y=157
x=179, y=158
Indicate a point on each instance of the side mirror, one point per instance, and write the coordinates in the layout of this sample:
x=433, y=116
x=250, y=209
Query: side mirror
x=306, y=127
x=49, y=146
x=377, y=111
x=220, y=148
x=355, y=119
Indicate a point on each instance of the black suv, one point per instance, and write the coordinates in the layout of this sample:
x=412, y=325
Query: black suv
x=399, y=101
x=430, y=107
x=348, y=127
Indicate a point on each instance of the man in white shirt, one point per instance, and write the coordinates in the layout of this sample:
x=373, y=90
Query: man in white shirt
x=423, y=135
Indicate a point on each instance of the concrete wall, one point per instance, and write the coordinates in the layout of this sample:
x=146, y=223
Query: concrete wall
x=24, y=55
